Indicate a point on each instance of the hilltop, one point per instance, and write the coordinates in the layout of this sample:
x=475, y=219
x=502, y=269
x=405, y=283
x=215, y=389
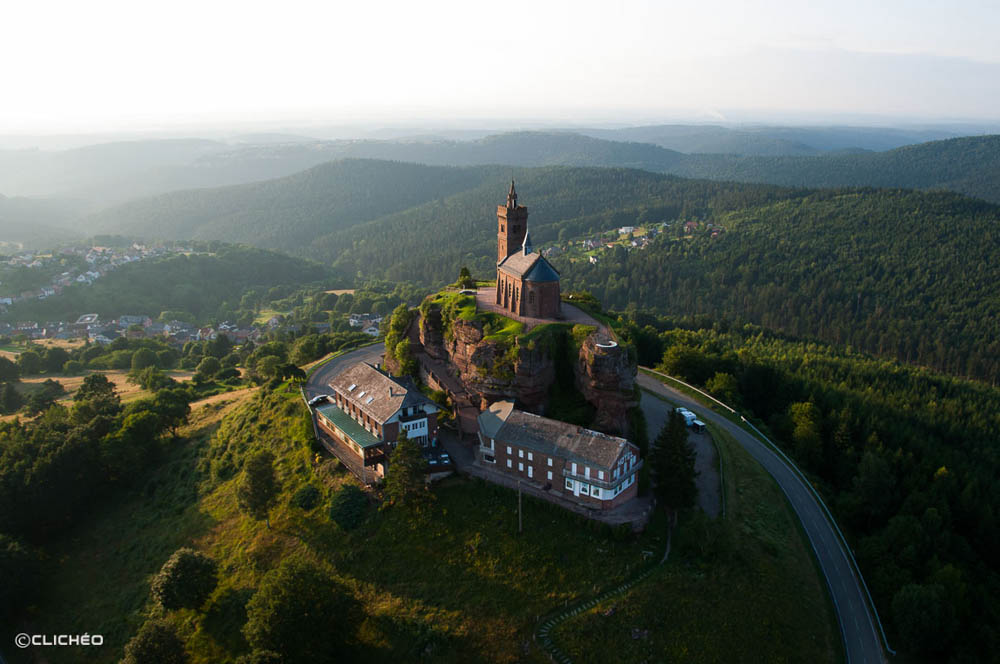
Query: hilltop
x=772, y=264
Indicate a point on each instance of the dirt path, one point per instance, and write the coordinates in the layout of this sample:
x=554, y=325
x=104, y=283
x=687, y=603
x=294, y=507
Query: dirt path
x=224, y=397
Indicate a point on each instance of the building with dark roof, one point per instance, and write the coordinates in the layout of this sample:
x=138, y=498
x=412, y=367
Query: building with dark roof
x=588, y=467
x=527, y=283
x=369, y=408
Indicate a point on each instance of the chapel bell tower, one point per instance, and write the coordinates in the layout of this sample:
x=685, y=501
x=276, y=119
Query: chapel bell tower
x=512, y=224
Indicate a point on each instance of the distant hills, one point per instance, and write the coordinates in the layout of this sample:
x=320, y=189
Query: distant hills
x=111, y=173
x=771, y=141
x=35, y=223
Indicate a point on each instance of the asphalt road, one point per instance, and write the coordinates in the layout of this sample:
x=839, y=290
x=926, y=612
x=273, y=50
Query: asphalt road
x=318, y=382
x=860, y=634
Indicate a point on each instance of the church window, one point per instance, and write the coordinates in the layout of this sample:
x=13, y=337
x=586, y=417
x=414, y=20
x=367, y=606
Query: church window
x=501, y=228
x=531, y=297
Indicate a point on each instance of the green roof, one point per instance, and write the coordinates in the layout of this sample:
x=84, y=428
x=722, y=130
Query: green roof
x=343, y=421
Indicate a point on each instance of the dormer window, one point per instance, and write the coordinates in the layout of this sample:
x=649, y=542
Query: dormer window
x=351, y=388
x=369, y=399
x=361, y=394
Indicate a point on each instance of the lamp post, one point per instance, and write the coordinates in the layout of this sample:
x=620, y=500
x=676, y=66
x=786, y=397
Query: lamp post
x=520, y=528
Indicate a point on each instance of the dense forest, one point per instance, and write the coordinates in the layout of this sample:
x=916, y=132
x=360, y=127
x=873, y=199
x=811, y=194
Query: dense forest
x=563, y=203
x=906, y=457
x=901, y=274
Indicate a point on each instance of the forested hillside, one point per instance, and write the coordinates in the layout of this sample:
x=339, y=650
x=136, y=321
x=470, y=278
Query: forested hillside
x=287, y=213
x=28, y=222
x=968, y=165
x=199, y=286
x=430, y=241
x=902, y=274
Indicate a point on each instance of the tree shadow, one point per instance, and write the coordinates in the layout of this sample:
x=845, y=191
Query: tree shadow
x=224, y=619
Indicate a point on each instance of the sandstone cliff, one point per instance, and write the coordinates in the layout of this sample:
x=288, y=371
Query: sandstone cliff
x=492, y=368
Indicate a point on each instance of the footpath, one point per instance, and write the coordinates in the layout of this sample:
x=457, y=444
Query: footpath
x=544, y=631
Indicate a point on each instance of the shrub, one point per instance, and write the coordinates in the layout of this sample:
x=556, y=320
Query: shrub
x=348, y=507
x=301, y=612
x=143, y=358
x=227, y=374
x=306, y=497
x=209, y=366
x=73, y=368
x=185, y=580
x=156, y=642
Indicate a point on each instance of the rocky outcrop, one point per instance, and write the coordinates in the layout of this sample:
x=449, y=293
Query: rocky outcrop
x=605, y=375
x=493, y=369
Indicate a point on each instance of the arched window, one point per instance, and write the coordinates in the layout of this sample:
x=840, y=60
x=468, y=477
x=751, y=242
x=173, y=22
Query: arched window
x=531, y=297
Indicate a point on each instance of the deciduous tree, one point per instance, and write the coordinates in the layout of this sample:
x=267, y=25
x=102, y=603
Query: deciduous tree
x=185, y=581
x=157, y=641
x=257, y=491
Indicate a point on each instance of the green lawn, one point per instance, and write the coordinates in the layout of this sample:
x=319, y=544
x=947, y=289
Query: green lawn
x=743, y=589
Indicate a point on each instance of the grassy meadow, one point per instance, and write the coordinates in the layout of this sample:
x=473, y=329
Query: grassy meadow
x=741, y=589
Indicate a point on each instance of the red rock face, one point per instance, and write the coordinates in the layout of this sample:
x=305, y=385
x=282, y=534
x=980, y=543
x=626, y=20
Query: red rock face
x=492, y=371
x=606, y=378
x=489, y=370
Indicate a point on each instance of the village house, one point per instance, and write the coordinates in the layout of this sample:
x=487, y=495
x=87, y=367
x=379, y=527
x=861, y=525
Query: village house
x=369, y=408
x=590, y=468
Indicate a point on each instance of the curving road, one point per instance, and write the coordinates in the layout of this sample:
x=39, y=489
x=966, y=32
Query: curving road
x=318, y=382
x=860, y=635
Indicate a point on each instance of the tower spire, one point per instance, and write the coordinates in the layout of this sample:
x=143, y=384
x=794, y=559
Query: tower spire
x=526, y=246
x=512, y=196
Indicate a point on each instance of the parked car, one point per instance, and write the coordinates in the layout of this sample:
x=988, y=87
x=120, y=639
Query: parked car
x=315, y=401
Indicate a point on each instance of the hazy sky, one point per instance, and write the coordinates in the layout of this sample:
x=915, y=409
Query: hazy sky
x=100, y=65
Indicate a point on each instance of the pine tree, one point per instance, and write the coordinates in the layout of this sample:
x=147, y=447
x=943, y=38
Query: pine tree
x=672, y=465
x=404, y=483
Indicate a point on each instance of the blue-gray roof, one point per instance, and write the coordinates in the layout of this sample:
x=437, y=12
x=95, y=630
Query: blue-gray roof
x=542, y=270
